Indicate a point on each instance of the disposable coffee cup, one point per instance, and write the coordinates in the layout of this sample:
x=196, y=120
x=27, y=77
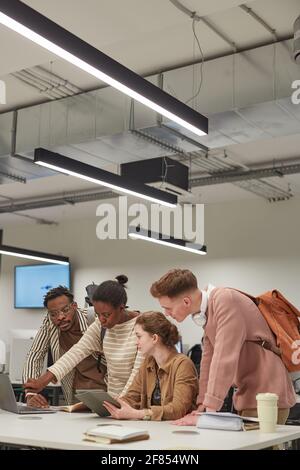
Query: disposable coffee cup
x=267, y=411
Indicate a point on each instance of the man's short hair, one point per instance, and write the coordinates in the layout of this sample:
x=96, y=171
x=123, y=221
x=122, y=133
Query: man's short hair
x=58, y=292
x=173, y=283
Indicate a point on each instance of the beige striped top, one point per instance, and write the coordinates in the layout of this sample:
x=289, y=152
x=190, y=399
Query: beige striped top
x=119, y=346
x=48, y=338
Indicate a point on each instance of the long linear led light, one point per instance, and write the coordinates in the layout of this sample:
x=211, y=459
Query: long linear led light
x=30, y=254
x=57, y=162
x=38, y=28
x=149, y=236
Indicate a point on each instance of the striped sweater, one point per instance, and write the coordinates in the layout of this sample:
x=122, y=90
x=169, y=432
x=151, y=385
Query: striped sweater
x=119, y=347
x=45, y=339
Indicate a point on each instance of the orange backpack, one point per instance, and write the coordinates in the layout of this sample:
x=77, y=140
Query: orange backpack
x=283, y=320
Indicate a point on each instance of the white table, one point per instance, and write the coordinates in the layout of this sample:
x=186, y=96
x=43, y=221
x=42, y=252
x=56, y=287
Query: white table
x=65, y=431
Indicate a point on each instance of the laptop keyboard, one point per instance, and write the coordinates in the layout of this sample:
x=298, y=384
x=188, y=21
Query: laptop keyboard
x=25, y=408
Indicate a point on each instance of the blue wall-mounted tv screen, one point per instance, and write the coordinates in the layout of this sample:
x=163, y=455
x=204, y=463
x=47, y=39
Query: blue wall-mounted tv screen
x=32, y=282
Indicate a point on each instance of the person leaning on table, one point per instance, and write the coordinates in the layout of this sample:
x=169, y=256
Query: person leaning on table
x=62, y=327
x=118, y=344
x=231, y=355
x=166, y=385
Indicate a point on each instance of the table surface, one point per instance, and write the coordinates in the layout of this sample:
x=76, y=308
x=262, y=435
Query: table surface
x=63, y=430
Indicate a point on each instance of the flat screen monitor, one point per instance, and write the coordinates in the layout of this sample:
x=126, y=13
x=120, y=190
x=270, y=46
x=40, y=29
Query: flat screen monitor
x=32, y=282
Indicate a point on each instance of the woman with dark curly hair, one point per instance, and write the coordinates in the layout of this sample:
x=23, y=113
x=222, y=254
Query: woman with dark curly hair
x=112, y=333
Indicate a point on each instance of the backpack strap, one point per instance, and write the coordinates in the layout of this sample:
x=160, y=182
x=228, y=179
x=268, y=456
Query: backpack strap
x=263, y=343
x=266, y=345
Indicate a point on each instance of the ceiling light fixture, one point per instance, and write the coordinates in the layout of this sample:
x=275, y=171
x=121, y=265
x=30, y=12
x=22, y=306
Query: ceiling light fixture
x=57, y=162
x=30, y=254
x=38, y=28
x=139, y=233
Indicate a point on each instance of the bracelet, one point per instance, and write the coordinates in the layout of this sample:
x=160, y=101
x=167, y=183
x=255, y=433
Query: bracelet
x=147, y=415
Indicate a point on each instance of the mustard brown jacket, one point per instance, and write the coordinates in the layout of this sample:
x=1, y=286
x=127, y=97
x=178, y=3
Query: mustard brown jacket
x=178, y=385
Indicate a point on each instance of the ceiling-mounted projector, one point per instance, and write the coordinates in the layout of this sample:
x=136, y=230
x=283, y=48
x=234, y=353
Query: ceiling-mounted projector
x=297, y=40
x=162, y=172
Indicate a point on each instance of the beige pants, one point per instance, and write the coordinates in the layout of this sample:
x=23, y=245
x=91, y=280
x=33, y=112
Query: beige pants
x=283, y=414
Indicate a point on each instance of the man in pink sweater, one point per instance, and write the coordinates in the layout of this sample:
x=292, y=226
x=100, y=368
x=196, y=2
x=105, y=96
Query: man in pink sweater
x=231, y=357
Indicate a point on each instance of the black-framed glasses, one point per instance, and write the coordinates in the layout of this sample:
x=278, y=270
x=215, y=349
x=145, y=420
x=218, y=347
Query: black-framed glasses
x=65, y=310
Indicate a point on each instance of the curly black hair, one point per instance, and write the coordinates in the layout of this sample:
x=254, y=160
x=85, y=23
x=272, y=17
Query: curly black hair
x=57, y=292
x=112, y=292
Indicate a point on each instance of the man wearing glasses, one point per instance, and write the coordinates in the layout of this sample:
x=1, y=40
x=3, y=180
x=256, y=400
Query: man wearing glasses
x=62, y=327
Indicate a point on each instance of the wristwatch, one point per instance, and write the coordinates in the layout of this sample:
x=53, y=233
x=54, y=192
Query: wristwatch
x=147, y=415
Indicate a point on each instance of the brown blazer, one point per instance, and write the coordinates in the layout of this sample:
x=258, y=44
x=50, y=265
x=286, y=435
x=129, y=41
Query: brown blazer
x=178, y=385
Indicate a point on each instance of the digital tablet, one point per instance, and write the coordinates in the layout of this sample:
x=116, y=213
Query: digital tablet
x=94, y=399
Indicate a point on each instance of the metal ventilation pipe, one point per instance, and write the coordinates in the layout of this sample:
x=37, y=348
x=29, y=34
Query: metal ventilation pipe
x=297, y=40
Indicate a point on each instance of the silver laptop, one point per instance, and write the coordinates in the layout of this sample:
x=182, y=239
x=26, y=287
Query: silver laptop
x=8, y=400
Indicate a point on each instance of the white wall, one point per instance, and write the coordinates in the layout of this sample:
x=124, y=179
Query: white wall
x=251, y=245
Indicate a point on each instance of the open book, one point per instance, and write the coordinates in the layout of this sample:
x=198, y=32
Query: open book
x=226, y=422
x=72, y=408
x=115, y=433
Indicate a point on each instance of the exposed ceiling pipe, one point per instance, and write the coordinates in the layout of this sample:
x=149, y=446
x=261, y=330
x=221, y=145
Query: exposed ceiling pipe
x=47, y=83
x=67, y=198
x=193, y=15
x=31, y=217
x=38, y=220
x=274, y=35
x=171, y=68
x=46, y=86
x=259, y=19
x=52, y=77
x=56, y=85
x=50, y=84
x=29, y=82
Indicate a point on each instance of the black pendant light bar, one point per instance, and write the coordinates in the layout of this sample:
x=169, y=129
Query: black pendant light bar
x=38, y=28
x=31, y=254
x=139, y=233
x=66, y=165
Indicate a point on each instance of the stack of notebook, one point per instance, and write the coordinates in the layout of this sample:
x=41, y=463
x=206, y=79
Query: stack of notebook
x=114, y=433
x=226, y=422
